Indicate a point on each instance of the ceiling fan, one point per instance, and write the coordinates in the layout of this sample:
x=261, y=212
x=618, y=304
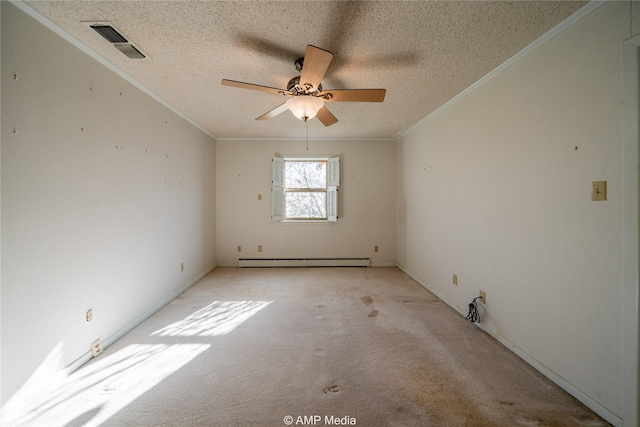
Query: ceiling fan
x=306, y=97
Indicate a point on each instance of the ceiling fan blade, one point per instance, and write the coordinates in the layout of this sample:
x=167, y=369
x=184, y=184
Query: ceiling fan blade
x=252, y=86
x=353, y=95
x=326, y=117
x=279, y=109
x=316, y=62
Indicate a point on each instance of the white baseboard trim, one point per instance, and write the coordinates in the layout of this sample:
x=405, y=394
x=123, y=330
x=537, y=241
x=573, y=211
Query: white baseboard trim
x=73, y=366
x=533, y=362
x=302, y=262
x=376, y=264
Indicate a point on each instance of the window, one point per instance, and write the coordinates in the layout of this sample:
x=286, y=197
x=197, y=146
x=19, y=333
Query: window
x=305, y=189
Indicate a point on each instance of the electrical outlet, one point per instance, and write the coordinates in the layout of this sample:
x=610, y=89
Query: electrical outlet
x=89, y=315
x=259, y=248
x=375, y=248
x=96, y=348
x=483, y=297
x=455, y=279
x=239, y=248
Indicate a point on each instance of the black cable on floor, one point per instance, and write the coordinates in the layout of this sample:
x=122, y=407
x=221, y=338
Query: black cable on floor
x=473, y=315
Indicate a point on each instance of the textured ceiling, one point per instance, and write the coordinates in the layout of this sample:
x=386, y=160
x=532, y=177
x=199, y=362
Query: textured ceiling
x=423, y=52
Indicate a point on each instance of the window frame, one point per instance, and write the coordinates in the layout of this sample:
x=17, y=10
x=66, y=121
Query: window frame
x=306, y=189
x=279, y=191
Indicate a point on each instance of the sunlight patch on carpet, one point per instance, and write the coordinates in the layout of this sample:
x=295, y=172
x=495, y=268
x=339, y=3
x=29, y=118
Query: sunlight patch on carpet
x=98, y=391
x=218, y=318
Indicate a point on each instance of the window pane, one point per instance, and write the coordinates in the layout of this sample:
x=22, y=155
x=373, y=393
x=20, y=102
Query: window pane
x=306, y=205
x=305, y=174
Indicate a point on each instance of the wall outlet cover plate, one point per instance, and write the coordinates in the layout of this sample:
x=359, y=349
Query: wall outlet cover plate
x=96, y=348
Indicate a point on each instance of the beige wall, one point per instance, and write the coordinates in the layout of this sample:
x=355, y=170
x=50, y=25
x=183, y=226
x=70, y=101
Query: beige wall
x=366, y=206
x=496, y=188
x=104, y=193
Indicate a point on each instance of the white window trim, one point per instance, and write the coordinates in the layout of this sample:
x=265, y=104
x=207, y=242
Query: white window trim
x=278, y=191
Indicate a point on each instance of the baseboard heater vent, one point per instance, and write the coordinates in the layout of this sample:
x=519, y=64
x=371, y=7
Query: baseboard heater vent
x=303, y=262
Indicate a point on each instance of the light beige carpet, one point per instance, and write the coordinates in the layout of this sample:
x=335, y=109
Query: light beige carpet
x=277, y=347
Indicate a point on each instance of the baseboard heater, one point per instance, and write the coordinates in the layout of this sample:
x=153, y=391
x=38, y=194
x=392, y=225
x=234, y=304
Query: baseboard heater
x=303, y=262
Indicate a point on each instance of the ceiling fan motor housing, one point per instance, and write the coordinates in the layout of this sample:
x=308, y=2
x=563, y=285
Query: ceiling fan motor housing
x=295, y=87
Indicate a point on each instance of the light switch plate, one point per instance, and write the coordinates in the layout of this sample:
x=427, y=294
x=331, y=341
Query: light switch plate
x=598, y=190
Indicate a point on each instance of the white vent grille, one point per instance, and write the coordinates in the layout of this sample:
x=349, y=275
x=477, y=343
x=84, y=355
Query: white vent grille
x=117, y=40
x=109, y=33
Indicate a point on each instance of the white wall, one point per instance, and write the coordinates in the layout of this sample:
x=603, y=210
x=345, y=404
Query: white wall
x=366, y=205
x=495, y=188
x=105, y=192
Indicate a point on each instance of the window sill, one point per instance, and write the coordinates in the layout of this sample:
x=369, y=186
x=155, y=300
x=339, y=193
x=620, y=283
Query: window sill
x=306, y=222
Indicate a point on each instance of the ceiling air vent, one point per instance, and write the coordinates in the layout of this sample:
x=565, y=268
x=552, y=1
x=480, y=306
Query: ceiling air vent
x=109, y=33
x=113, y=36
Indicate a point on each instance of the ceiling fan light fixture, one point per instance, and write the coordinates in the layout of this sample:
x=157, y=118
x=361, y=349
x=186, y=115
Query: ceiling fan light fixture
x=304, y=107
